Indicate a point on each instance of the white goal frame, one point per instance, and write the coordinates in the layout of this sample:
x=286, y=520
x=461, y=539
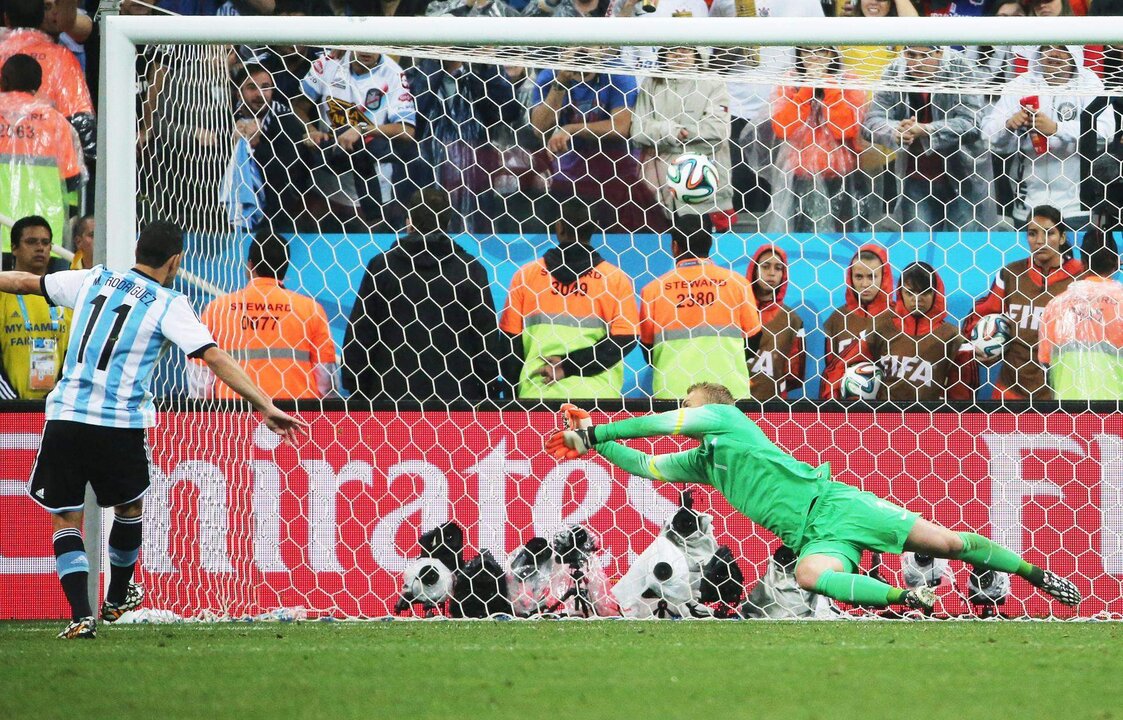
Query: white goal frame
x=116, y=179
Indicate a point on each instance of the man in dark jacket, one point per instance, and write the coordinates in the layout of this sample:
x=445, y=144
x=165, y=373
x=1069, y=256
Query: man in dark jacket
x=423, y=327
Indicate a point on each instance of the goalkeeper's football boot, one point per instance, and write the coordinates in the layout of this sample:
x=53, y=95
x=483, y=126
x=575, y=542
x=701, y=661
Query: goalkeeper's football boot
x=1061, y=588
x=111, y=612
x=921, y=598
x=81, y=629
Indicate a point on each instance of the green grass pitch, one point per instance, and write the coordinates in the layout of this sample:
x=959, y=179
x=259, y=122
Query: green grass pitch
x=581, y=670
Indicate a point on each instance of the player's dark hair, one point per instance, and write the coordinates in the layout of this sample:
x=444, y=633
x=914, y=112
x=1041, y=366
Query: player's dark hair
x=919, y=277
x=692, y=235
x=430, y=210
x=24, y=223
x=158, y=242
x=575, y=221
x=24, y=13
x=268, y=255
x=1100, y=253
x=21, y=73
x=716, y=393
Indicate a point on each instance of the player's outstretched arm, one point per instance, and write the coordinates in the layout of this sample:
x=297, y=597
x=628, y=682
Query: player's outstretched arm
x=691, y=422
x=579, y=436
x=671, y=467
x=20, y=283
x=231, y=373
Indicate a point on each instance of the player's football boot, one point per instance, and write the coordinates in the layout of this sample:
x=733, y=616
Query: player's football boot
x=110, y=612
x=921, y=598
x=81, y=629
x=1061, y=588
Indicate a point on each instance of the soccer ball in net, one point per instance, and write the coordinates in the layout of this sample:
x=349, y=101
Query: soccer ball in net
x=861, y=381
x=990, y=335
x=692, y=178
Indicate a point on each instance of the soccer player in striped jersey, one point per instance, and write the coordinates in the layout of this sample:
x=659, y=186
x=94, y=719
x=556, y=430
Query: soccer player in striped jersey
x=827, y=523
x=98, y=412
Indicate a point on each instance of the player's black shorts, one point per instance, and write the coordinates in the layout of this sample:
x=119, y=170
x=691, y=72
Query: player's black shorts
x=113, y=460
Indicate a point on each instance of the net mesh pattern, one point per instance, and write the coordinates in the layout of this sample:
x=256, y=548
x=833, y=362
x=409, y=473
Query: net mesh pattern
x=833, y=173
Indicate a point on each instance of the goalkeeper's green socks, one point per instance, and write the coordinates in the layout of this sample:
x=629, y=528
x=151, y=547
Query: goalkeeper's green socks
x=858, y=589
x=985, y=553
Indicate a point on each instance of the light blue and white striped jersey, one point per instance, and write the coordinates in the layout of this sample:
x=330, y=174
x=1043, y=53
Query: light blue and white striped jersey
x=123, y=322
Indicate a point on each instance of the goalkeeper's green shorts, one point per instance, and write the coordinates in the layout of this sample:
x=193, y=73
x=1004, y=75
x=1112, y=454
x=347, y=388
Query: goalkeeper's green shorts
x=845, y=521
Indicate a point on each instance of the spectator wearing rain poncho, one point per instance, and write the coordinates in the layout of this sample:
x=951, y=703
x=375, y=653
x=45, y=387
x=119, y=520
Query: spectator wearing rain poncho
x=677, y=115
x=1082, y=328
x=816, y=159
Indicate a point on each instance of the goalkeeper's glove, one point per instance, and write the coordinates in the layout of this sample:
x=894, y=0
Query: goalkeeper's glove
x=577, y=437
x=570, y=444
x=574, y=418
x=567, y=445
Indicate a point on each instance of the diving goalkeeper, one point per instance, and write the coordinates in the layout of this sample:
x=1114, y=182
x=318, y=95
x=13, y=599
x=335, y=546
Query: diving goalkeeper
x=827, y=523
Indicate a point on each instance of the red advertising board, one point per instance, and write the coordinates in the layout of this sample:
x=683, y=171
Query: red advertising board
x=238, y=524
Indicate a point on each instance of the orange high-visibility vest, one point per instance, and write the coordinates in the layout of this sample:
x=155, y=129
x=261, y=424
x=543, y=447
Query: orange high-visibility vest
x=277, y=335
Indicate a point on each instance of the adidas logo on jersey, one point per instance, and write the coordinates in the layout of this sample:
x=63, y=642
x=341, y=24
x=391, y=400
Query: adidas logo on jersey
x=40, y=494
x=15, y=314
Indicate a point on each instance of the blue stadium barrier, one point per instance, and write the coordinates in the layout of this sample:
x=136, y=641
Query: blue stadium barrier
x=330, y=268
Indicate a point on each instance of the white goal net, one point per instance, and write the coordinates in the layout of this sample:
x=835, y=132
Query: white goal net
x=474, y=227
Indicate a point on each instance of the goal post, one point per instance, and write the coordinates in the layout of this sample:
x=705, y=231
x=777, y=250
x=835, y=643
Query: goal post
x=237, y=524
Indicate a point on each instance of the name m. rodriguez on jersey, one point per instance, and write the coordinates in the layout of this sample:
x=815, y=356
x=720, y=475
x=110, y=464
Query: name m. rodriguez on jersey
x=143, y=294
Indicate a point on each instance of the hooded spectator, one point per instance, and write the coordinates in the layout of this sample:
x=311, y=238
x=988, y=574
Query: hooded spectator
x=817, y=128
x=781, y=360
x=869, y=287
x=423, y=324
x=922, y=355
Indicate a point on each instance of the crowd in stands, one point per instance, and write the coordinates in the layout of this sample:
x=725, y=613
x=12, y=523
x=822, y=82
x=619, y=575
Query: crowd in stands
x=303, y=138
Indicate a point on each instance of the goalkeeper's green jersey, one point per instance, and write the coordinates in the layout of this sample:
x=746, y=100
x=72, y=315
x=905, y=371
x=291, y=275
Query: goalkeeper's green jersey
x=763, y=482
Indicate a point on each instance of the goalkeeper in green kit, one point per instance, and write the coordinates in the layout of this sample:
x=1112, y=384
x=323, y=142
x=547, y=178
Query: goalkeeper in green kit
x=828, y=524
